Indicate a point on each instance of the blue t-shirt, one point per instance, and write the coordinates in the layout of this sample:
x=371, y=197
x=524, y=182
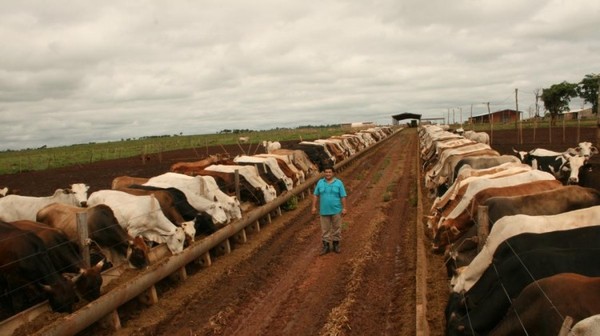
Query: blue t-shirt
x=330, y=196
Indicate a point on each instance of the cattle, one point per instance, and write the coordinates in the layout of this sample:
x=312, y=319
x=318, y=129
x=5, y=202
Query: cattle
x=103, y=229
x=541, y=307
x=584, y=149
x=271, y=145
x=509, y=226
x=141, y=215
x=453, y=226
x=251, y=175
x=317, y=153
x=489, y=299
x=178, y=208
x=18, y=207
x=301, y=160
x=26, y=271
x=478, y=185
x=193, y=188
x=481, y=137
x=269, y=170
x=563, y=166
x=481, y=162
x=287, y=167
x=589, y=326
x=169, y=209
x=8, y=191
x=334, y=148
x=213, y=191
x=226, y=182
x=243, y=139
x=125, y=181
x=66, y=258
x=439, y=173
x=191, y=168
x=550, y=202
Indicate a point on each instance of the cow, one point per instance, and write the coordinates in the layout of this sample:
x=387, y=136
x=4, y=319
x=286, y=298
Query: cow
x=141, y=215
x=193, y=188
x=481, y=137
x=488, y=300
x=463, y=216
x=243, y=139
x=227, y=182
x=27, y=274
x=585, y=149
x=589, y=326
x=509, y=226
x=471, y=189
x=18, y=207
x=541, y=307
x=66, y=258
x=550, y=202
x=269, y=170
x=564, y=166
x=271, y=145
x=287, y=167
x=190, y=168
x=251, y=175
x=301, y=160
x=317, y=153
x=169, y=209
x=481, y=162
x=178, y=208
x=103, y=229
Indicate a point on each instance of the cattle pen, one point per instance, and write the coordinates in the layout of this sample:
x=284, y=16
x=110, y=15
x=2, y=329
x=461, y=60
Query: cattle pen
x=142, y=286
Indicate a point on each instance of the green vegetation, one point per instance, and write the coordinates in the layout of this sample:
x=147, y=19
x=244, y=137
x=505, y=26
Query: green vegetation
x=45, y=158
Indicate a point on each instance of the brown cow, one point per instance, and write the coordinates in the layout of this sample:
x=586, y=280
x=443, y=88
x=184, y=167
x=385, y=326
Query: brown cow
x=104, y=229
x=125, y=181
x=192, y=168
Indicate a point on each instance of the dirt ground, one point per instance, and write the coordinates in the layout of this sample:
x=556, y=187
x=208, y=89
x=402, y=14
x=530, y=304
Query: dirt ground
x=276, y=284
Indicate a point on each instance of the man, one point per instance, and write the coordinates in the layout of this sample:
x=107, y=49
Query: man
x=331, y=194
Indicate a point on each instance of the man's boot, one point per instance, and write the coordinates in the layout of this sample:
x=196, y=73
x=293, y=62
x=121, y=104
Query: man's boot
x=336, y=246
x=325, y=249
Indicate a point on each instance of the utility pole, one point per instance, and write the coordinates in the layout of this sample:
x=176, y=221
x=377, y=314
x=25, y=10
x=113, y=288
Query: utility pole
x=491, y=122
x=518, y=119
x=448, y=123
x=471, y=117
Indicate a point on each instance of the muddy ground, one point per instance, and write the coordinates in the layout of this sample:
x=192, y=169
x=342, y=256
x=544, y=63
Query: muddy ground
x=276, y=284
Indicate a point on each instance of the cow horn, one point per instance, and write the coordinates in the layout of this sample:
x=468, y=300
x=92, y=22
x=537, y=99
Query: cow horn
x=99, y=265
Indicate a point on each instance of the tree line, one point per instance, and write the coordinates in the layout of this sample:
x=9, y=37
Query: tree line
x=557, y=97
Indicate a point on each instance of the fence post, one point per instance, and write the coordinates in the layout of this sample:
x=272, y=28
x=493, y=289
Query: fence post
x=82, y=232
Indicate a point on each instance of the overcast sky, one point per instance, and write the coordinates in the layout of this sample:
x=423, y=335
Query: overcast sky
x=81, y=71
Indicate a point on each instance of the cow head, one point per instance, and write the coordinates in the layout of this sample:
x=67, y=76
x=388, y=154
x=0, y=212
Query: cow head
x=61, y=295
x=520, y=154
x=79, y=190
x=175, y=242
x=137, y=253
x=573, y=165
x=88, y=282
x=190, y=232
x=586, y=149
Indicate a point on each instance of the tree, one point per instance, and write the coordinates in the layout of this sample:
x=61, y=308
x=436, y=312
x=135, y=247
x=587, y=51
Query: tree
x=557, y=98
x=588, y=90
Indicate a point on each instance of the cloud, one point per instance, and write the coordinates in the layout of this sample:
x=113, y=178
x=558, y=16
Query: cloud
x=88, y=71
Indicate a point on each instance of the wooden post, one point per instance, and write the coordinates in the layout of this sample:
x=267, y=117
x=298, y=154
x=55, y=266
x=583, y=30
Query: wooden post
x=483, y=227
x=237, y=183
x=148, y=297
x=82, y=232
x=111, y=321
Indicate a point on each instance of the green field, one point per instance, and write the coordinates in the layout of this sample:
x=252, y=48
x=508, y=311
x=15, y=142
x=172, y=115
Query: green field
x=45, y=158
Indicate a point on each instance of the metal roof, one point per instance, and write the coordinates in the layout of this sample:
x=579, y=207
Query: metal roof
x=403, y=116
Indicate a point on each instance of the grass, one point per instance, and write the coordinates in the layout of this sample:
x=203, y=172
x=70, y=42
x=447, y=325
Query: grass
x=44, y=158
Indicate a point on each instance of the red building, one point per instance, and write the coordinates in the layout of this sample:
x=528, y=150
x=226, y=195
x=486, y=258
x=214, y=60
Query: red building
x=498, y=117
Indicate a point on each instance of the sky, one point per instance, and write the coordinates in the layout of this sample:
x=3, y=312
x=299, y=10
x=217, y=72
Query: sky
x=93, y=71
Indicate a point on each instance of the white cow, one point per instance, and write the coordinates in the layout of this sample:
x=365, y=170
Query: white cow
x=141, y=216
x=18, y=207
x=193, y=187
x=232, y=204
x=509, y=226
x=271, y=145
x=250, y=173
x=289, y=163
x=271, y=163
